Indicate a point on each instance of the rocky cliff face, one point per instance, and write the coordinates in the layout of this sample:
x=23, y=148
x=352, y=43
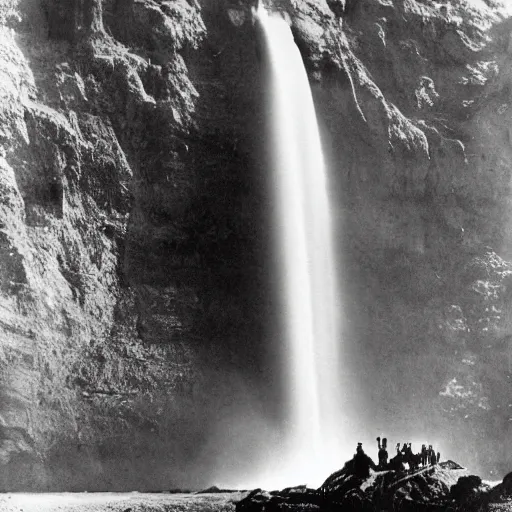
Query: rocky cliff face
x=135, y=269
x=426, y=174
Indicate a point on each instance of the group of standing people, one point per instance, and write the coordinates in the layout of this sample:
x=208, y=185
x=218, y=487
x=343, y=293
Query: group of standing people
x=361, y=463
x=405, y=455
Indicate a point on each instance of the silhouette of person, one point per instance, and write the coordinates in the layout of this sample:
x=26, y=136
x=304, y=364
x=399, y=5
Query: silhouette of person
x=423, y=455
x=397, y=462
x=431, y=455
x=383, y=452
x=413, y=459
x=362, y=463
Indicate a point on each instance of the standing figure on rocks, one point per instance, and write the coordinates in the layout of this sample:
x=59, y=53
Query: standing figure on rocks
x=438, y=457
x=362, y=463
x=424, y=455
x=397, y=462
x=413, y=460
x=431, y=455
x=383, y=453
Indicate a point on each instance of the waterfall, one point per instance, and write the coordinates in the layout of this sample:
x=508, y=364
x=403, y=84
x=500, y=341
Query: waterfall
x=305, y=256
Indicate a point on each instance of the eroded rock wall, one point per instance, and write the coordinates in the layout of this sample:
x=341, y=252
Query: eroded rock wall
x=414, y=96
x=135, y=272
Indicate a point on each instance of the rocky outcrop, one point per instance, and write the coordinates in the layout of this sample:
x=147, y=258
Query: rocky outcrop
x=136, y=279
x=429, y=489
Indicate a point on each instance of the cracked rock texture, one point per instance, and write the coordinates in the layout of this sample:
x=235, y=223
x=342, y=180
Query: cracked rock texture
x=137, y=312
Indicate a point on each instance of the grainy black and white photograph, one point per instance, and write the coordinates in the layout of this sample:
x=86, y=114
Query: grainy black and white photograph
x=255, y=255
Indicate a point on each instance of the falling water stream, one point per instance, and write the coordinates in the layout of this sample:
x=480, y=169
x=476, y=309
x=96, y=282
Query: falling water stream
x=306, y=265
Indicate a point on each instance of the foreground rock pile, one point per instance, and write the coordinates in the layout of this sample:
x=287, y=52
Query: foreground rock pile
x=438, y=488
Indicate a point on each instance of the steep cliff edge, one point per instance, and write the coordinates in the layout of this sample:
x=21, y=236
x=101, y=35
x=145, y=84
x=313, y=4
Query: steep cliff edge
x=136, y=299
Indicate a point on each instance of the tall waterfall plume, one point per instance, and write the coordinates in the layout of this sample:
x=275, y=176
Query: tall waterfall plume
x=306, y=264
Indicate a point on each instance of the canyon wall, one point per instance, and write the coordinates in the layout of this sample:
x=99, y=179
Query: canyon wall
x=137, y=313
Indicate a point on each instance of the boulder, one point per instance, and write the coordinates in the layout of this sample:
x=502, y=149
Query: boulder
x=506, y=485
x=255, y=501
x=465, y=488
